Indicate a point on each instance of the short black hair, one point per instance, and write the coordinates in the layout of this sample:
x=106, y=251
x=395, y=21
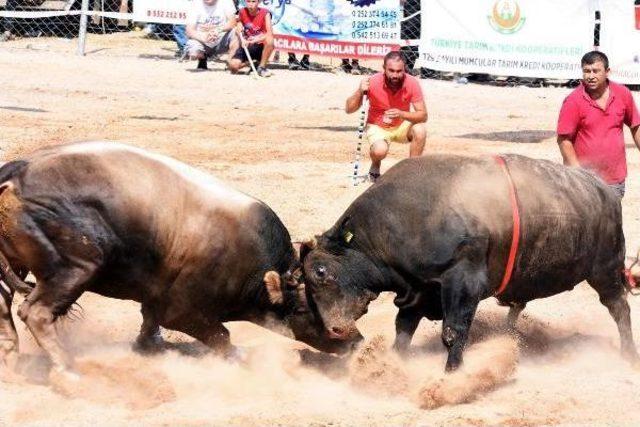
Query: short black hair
x=595, y=56
x=395, y=55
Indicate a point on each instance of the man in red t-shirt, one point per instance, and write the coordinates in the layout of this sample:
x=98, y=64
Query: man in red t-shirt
x=590, y=126
x=255, y=29
x=392, y=94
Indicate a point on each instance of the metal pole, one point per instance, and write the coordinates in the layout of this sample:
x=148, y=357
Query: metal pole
x=83, y=27
x=596, y=30
x=364, y=111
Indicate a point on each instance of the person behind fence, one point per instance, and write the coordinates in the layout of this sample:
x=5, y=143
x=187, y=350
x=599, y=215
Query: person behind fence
x=8, y=23
x=180, y=36
x=590, y=123
x=211, y=30
x=392, y=96
x=255, y=30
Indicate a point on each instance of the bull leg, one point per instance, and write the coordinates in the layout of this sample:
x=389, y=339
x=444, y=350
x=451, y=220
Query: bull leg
x=619, y=310
x=217, y=337
x=412, y=307
x=8, y=335
x=150, y=338
x=50, y=299
x=514, y=312
x=407, y=322
x=211, y=333
x=462, y=288
x=614, y=298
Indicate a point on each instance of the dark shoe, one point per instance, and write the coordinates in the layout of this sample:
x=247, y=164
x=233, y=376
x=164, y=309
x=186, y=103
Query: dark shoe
x=345, y=67
x=294, y=65
x=373, y=177
x=202, y=64
x=305, y=65
x=356, y=69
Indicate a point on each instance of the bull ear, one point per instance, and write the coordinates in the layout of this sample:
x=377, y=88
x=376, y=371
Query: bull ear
x=307, y=247
x=274, y=287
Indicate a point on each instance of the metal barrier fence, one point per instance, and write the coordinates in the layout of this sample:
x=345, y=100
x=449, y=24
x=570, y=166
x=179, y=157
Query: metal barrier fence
x=64, y=18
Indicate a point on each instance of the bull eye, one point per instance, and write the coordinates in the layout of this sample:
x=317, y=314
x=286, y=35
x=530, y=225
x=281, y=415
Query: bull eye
x=321, y=271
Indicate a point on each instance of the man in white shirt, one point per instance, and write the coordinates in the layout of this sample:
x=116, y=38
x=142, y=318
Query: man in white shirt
x=210, y=29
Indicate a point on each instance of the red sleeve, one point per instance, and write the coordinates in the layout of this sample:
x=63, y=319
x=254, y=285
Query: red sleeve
x=569, y=118
x=415, y=90
x=631, y=115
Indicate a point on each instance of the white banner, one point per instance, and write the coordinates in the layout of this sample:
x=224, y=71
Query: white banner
x=525, y=38
x=620, y=39
x=161, y=11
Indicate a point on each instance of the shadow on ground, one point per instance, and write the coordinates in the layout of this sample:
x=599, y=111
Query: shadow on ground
x=519, y=136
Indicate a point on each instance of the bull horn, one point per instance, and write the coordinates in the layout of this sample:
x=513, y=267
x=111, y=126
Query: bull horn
x=296, y=247
x=302, y=299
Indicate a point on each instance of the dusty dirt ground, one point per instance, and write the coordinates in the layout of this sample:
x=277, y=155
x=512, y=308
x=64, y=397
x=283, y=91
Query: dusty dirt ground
x=287, y=141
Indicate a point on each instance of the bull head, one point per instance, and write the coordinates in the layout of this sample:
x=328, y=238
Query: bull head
x=336, y=278
x=287, y=291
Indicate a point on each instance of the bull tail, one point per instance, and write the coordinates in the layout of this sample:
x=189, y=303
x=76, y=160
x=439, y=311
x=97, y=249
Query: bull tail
x=10, y=169
x=11, y=278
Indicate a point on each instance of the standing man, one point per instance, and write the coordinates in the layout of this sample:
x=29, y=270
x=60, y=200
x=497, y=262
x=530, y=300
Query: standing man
x=590, y=126
x=391, y=94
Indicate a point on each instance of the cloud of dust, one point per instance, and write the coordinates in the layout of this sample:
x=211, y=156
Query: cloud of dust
x=487, y=365
x=271, y=385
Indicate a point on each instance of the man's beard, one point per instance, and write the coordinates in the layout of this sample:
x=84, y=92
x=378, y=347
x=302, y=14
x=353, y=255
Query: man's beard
x=394, y=82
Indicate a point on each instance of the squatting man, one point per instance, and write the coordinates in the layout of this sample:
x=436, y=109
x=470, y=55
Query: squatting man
x=393, y=95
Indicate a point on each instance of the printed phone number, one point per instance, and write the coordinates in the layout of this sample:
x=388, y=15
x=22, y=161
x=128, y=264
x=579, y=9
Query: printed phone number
x=363, y=25
x=374, y=35
x=387, y=14
x=170, y=14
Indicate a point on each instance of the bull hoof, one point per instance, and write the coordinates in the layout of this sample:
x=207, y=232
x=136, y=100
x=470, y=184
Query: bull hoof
x=453, y=363
x=9, y=363
x=403, y=349
x=149, y=345
x=236, y=355
x=64, y=381
x=8, y=375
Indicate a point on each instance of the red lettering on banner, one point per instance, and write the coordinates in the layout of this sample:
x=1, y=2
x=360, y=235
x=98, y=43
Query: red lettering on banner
x=339, y=49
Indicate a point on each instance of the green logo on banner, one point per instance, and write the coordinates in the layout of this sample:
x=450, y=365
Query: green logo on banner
x=505, y=17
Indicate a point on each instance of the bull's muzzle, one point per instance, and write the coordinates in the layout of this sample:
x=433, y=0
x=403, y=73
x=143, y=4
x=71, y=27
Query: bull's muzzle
x=344, y=332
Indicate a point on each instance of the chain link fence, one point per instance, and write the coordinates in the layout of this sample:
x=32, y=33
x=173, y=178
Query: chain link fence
x=29, y=19
x=59, y=18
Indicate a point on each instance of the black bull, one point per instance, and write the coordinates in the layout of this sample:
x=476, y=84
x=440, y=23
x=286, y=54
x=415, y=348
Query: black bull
x=437, y=231
x=129, y=224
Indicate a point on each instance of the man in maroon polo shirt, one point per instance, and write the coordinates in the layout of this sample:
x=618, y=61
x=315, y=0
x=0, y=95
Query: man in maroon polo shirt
x=590, y=126
x=392, y=94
